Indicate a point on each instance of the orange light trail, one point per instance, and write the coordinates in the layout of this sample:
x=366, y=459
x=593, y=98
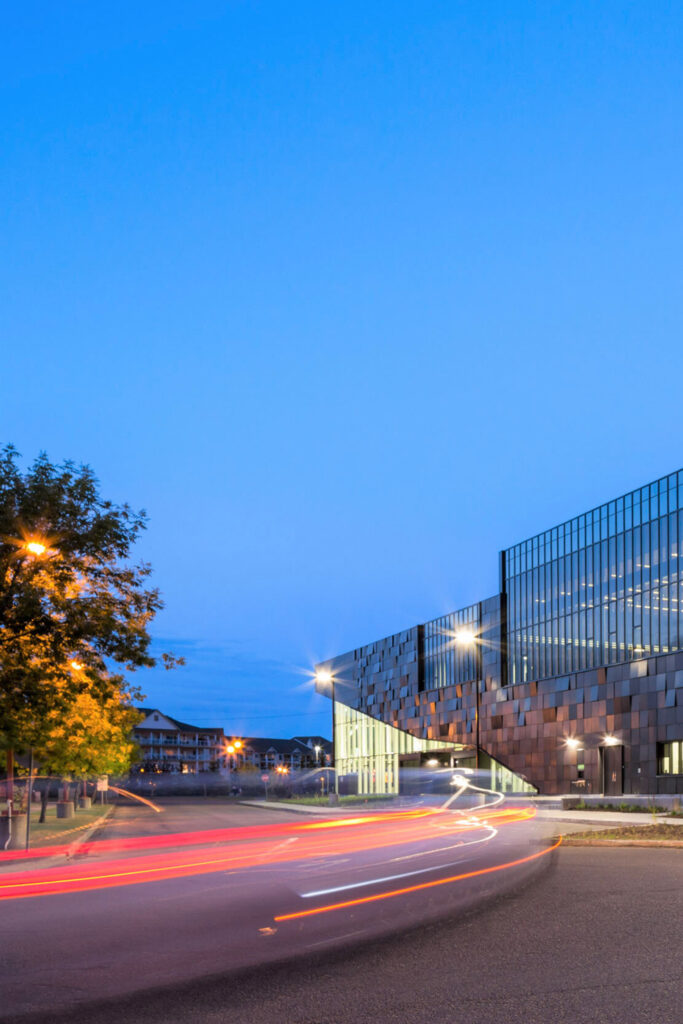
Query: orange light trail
x=250, y=832
x=416, y=888
x=250, y=847
x=136, y=796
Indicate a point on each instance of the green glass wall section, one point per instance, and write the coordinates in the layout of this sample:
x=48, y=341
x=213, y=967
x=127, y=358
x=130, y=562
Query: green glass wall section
x=502, y=780
x=670, y=758
x=446, y=661
x=601, y=588
x=370, y=750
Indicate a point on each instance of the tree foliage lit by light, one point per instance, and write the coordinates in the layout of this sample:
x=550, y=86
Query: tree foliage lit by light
x=72, y=605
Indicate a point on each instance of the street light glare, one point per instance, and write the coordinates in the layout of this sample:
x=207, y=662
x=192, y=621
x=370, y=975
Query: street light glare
x=572, y=742
x=34, y=547
x=465, y=637
x=323, y=675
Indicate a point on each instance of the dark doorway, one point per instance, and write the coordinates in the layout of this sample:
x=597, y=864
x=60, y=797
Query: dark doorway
x=612, y=760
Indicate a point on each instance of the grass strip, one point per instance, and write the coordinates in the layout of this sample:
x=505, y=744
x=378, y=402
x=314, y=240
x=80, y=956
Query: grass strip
x=659, y=832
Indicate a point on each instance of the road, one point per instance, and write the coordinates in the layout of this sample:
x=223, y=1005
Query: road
x=596, y=938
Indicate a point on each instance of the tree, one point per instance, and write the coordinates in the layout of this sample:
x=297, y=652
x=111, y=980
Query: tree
x=88, y=738
x=71, y=601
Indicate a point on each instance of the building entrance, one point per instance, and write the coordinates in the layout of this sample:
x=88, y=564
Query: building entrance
x=612, y=767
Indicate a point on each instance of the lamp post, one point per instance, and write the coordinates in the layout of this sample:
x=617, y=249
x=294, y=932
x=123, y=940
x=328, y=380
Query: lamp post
x=466, y=638
x=326, y=678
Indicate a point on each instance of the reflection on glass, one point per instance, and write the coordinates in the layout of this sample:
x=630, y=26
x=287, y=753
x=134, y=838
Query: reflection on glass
x=670, y=758
x=368, y=750
x=599, y=589
x=446, y=661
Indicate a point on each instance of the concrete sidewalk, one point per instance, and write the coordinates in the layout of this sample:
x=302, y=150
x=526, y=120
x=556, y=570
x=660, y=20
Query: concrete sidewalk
x=603, y=819
x=597, y=819
x=294, y=808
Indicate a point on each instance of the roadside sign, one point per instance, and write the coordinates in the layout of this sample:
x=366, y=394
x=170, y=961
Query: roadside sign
x=103, y=784
x=265, y=778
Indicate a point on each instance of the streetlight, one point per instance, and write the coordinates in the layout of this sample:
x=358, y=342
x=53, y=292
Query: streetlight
x=34, y=547
x=324, y=677
x=467, y=638
x=317, y=755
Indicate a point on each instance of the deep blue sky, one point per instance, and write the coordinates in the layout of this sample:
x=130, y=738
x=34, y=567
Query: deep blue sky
x=347, y=296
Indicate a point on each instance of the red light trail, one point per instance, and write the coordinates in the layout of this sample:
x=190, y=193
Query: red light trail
x=241, y=848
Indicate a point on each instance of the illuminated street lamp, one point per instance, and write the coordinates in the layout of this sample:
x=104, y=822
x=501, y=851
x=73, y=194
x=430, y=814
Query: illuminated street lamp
x=467, y=638
x=324, y=677
x=34, y=547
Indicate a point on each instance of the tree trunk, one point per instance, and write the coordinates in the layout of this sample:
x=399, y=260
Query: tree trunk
x=44, y=797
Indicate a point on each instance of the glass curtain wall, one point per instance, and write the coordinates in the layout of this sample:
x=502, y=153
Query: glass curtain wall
x=502, y=779
x=445, y=661
x=370, y=750
x=599, y=589
x=670, y=758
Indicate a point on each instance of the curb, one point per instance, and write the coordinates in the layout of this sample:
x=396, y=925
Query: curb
x=274, y=805
x=623, y=820
x=67, y=850
x=73, y=848
x=671, y=843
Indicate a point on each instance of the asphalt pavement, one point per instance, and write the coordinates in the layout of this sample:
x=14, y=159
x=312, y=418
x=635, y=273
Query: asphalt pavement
x=596, y=938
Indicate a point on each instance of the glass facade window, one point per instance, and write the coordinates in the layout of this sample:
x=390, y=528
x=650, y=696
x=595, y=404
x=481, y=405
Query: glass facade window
x=445, y=660
x=670, y=758
x=599, y=589
x=370, y=750
x=501, y=779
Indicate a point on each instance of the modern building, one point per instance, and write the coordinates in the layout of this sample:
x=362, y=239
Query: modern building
x=167, y=745
x=570, y=679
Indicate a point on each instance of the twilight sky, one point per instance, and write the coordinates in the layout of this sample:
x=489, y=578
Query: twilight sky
x=348, y=296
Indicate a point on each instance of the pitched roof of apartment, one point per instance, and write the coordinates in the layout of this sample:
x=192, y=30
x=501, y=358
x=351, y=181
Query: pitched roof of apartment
x=262, y=744
x=183, y=726
x=313, y=741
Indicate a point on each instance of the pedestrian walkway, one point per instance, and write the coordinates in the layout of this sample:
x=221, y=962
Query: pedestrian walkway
x=569, y=819
x=320, y=809
x=603, y=819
